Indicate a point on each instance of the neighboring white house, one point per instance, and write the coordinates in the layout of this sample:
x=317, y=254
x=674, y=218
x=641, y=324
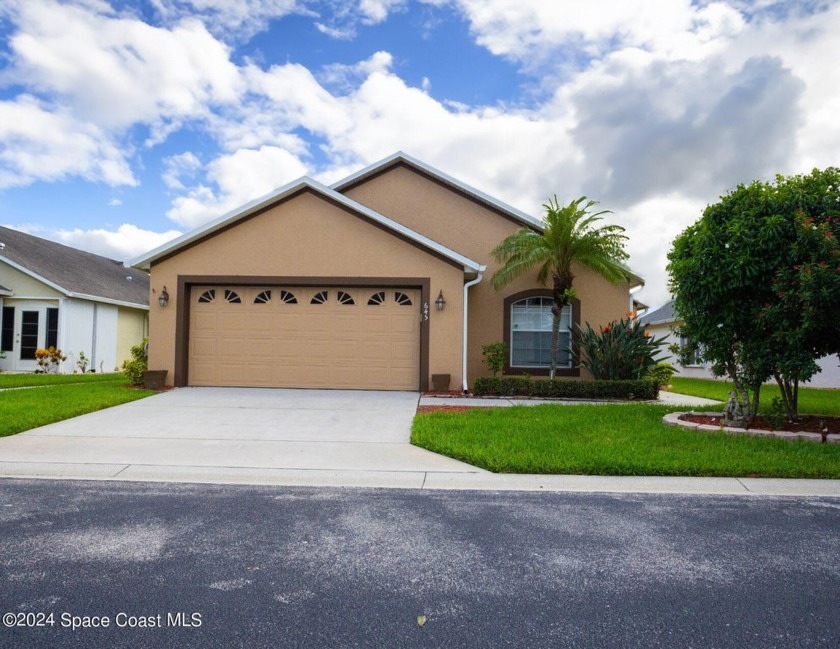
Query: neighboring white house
x=54, y=295
x=664, y=323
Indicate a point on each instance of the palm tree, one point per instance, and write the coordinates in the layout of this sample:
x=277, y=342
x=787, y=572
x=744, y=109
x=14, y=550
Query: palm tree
x=569, y=236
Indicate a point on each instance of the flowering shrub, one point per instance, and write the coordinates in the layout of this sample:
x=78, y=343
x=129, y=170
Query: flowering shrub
x=49, y=359
x=619, y=351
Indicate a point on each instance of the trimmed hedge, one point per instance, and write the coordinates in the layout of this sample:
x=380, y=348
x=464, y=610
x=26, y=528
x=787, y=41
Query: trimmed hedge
x=521, y=386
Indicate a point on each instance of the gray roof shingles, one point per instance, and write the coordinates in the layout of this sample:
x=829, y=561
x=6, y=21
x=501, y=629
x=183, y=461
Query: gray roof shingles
x=664, y=313
x=74, y=270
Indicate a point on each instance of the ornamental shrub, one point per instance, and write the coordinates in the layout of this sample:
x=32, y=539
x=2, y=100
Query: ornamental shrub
x=138, y=364
x=619, y=351
x=494, y=355
x=509, y=386
x=662, y=373
x=48, y=360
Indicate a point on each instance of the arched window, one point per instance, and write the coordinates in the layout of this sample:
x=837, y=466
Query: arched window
x=530, y=334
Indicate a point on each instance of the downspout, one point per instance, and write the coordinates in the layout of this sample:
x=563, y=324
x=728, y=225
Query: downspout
x=466, y=323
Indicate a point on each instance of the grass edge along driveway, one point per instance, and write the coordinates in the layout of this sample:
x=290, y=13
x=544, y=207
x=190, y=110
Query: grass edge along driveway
x=47, y=400
x=620, y=439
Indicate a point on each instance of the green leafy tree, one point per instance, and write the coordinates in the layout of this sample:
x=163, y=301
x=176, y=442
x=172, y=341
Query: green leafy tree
x=570, y=236
x=757, y=283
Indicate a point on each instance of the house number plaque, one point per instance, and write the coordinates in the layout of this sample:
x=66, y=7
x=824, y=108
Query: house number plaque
x=425, y=315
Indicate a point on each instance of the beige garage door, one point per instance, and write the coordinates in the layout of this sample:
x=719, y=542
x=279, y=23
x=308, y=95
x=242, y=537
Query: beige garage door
x=322, y=337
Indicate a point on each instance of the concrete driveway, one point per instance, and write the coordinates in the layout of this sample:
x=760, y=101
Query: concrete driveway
x=355, y=438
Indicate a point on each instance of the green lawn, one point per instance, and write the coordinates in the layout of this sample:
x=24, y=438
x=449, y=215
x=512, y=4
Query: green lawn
x=818, y=401
x=612, y=440
x=32, y=407
x=32, y=379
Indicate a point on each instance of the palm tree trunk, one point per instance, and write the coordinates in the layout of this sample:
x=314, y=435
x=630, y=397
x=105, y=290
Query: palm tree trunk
x=560, y=296
x=555, y=339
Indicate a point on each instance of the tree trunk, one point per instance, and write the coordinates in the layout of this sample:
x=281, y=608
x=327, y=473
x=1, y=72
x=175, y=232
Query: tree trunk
x=559, y=293
x=790, y=394
x=555, y=340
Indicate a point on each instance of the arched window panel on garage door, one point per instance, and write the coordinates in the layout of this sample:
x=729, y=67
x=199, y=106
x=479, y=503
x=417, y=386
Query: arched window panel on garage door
x=376, y=299
x=207, y=296
x=320, y=297
x=287, y=297
x=263, y=297
x=345, y=298
x=402, y=299
x=232, y=297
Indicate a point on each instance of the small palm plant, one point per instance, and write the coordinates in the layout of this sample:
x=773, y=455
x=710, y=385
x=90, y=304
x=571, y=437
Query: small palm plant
x=570, y=236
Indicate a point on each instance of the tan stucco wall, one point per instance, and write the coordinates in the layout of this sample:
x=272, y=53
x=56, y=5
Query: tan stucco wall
x=23, y=285
x=132, y=327
x=474, y=230
x=308, y=236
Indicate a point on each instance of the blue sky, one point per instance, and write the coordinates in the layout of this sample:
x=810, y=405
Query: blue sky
x=123, y=124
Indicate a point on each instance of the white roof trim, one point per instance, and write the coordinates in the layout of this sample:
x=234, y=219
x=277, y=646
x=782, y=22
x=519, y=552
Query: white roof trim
x=35, y=276
x=144, y=262
x=105, y=300
x=519, y=215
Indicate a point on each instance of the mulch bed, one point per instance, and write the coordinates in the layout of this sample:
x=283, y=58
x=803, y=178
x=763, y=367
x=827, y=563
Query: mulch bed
x=804, y=423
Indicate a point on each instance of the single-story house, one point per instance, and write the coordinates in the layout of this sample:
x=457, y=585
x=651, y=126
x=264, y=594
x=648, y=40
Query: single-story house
x=379, y=281
x=664, y=322
x=54, y=295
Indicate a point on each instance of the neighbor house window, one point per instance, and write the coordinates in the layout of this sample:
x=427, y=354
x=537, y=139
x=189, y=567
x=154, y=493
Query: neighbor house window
x=694, y=356
x=530, y=334
x=52, y=328
x=7, y=340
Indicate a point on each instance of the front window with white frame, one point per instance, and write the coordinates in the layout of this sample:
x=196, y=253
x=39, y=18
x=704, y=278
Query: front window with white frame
x=692, y=357
x=530, y=334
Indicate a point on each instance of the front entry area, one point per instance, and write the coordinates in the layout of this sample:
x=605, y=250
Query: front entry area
x=26, y=326
x=304, y=337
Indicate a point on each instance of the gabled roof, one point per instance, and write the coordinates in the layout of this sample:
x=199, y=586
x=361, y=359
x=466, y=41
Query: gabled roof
x=295, y=187
x=73, y=272
x=500, y=207
x=663, y=315
x=4, y=290
x=400, y=158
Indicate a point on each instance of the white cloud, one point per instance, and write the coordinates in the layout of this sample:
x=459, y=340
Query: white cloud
x=532, y=31
x=232, y=19
x=91, y=76
x=125, y=243
x=178, y=167
x=41, y=144
x=114, y=202
x=116, y=72
x=339, y=19
x=239, y=177
x=375, y=11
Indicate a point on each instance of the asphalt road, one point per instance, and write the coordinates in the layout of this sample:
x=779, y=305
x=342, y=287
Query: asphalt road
x=238, y=566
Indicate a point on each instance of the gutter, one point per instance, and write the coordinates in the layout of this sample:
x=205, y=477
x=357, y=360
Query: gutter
x=466, y=322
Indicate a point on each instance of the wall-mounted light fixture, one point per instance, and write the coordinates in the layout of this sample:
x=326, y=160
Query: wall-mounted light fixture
x=163, y=298
x=440, y=302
